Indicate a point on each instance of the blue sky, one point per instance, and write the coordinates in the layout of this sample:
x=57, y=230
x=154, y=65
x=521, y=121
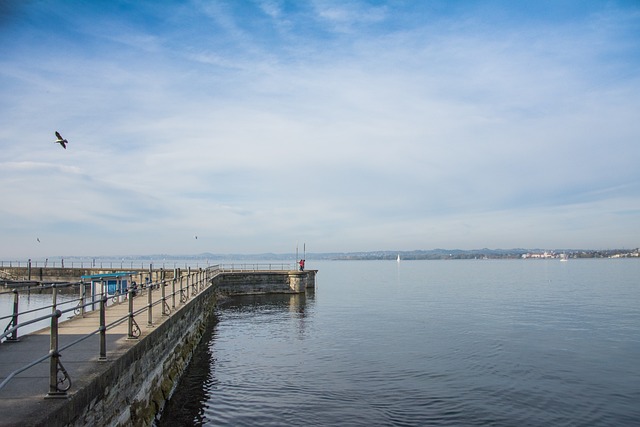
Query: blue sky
x=346, y=125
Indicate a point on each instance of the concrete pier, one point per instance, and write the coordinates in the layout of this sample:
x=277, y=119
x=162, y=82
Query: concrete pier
x=265, y=282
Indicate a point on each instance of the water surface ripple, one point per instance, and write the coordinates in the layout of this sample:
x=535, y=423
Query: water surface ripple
x=445, y=343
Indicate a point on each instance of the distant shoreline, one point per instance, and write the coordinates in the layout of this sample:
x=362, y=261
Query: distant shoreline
x=433, y=254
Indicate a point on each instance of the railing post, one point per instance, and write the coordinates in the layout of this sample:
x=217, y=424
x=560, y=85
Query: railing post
x=173, y=289
x=54, y=362
x=93, y=295
x=14, y=317
x=149, y=304
x=181, y=291
x=103, y=326
x=83, y=295
x=130, y=331
x=134, y=330
x=188, y=279
x=54, y=299
x=165, y=312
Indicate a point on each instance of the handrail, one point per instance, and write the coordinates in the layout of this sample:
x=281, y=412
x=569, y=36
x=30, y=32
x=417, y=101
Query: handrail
x=132, y=265
x=105, y=264
x=60, y=380
x=8, y=331
x=13, y=326
x=257, y=267
x=43, y=287
x=33, y=310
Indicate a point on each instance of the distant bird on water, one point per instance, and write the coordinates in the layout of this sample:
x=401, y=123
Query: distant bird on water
x=61, y=140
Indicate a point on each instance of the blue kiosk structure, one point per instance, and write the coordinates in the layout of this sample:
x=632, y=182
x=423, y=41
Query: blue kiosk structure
x=112, y=284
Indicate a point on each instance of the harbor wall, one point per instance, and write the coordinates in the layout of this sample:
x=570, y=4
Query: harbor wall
x=264, y=282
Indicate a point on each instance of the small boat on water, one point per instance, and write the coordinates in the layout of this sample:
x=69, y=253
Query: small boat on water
x=398, y=260
x=564, y=257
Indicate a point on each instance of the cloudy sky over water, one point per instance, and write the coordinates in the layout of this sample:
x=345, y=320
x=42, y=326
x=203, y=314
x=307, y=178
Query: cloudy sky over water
x=347, y=125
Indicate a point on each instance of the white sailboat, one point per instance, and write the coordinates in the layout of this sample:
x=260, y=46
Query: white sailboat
x=398, y=260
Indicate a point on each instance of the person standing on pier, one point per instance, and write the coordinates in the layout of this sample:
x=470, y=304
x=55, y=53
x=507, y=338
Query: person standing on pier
x=301, y=265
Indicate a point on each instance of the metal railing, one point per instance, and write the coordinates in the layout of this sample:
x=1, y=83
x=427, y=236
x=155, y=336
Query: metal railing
x=131, y=264
x=103, y=264
x=183, y=286
x=11, y=330
x=256, y=267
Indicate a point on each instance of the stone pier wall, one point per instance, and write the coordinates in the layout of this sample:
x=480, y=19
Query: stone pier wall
x=264, y=282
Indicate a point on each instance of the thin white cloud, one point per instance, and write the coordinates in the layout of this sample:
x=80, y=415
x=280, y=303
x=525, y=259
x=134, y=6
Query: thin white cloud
x=273, y=8
x=347, y=16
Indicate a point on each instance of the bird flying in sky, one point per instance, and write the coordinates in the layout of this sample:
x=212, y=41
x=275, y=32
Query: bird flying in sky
x=61, y=140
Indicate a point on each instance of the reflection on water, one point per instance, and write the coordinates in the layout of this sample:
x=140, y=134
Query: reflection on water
x=188, y=400
x=444, y=343
x=191, y=402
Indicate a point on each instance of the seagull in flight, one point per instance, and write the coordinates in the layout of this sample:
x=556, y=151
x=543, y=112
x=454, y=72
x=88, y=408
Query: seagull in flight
x=61, y=140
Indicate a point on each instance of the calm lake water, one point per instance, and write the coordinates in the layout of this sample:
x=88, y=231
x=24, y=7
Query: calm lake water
x=444, y=343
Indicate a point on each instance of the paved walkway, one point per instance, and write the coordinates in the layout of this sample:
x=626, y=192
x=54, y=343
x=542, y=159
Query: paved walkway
x=22, y=399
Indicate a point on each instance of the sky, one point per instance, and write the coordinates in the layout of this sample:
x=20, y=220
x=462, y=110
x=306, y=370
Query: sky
x=230, y=126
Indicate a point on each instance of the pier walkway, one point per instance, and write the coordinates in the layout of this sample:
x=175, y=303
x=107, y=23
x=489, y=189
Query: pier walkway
x=24, y=400
x=28, y=397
